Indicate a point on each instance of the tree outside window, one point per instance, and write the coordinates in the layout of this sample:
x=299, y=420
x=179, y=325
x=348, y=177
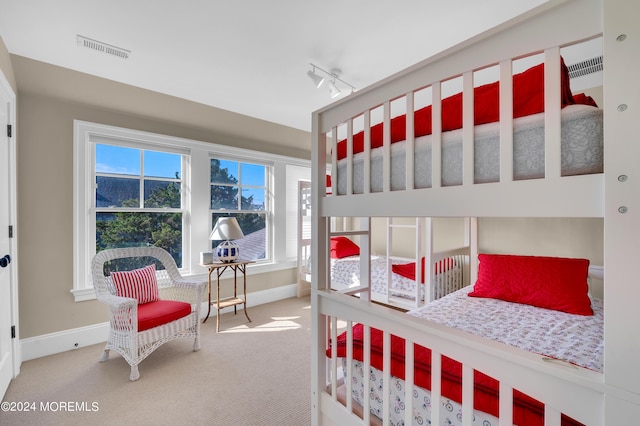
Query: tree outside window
x=138, y=199
x=241, y=190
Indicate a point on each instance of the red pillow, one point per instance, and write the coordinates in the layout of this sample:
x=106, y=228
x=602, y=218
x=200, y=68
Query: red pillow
x=343, y=247
x=140, y=284
x=546, y=282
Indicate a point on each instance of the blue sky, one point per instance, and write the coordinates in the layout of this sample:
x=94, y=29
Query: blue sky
x=123, y=160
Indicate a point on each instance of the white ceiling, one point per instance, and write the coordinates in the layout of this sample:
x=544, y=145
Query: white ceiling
x=247, y=56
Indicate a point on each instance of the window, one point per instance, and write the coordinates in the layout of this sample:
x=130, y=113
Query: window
x=240, y=189
x=138, y=199
x=139, y=188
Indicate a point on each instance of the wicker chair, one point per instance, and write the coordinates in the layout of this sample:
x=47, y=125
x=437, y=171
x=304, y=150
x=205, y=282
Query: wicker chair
x=124, y=336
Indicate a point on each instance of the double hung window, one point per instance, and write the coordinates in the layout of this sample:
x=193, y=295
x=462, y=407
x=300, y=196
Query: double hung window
x=241, y=189
x=134, y=188
x=138, y=199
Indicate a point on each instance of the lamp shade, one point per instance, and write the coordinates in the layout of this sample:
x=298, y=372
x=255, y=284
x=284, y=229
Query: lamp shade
x=226, y=228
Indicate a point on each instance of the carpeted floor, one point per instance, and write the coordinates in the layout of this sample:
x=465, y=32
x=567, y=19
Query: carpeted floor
x=254, y=373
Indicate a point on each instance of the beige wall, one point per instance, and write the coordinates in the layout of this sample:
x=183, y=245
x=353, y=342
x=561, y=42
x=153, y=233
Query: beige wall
x=50, y=99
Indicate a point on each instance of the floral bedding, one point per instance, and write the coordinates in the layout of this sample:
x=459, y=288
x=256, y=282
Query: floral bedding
x=345, y=273
x=576, y=339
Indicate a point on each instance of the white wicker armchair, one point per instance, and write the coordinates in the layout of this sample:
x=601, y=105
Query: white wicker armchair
x=124, y=336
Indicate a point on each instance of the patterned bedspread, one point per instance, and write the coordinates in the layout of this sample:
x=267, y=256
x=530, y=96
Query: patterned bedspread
x=345, y=273
x=573, y=338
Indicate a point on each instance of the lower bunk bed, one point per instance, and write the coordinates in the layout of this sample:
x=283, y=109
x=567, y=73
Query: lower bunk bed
x=544, y=308
x=395, y=280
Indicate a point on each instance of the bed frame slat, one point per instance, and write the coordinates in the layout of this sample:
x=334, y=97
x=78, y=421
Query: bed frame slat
x=552, y=113
x=436, y=135
x=506, y=121
x=468, y=175
x=410, y=145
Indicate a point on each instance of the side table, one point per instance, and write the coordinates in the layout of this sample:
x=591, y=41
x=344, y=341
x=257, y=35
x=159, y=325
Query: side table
x=219, y=268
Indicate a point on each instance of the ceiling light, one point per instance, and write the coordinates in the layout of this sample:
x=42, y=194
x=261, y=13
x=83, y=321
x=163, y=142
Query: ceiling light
x=333, y=89
x=317, y=79
x=331, y=78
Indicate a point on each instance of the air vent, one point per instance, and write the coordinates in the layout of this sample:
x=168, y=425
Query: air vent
x=103, y=47
x=585, y=67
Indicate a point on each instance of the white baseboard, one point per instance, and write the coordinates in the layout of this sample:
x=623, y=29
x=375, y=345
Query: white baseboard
x=66, y=340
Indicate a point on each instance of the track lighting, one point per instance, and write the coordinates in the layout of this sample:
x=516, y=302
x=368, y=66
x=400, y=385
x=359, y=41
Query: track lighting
x=317, y=79
x=333, y=89
x=330, y=80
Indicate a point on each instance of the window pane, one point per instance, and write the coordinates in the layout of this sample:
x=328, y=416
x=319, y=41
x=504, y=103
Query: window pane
x=253, y=174
x=253, y=199
x=254, y=244
x=117, y=160
x=159, y=193
x=128, y=229
x=224, y=197
x=131, y=263
x=223, y=171
x=117, y=192
x=162, y=164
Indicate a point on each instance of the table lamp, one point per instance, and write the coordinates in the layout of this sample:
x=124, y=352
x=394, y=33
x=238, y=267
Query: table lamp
x=227, y=229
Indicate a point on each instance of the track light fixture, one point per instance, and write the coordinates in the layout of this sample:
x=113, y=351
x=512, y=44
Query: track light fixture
x=329, y=80
x=317, y=79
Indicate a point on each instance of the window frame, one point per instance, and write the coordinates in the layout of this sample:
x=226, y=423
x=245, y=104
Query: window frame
x=268, y=208
x=142, y=178
x=196, y=206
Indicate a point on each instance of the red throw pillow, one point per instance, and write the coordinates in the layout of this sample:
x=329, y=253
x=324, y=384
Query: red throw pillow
x=546, y=282
x=343, y=247
x=140, y=284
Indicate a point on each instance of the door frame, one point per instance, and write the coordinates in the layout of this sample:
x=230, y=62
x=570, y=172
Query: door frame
x=7, y=90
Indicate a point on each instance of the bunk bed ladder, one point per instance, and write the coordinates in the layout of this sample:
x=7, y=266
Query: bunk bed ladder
x=395, y=296
x=364, y=234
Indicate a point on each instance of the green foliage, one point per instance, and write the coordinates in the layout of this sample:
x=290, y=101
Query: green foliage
x=134, y=229
x=127, y=229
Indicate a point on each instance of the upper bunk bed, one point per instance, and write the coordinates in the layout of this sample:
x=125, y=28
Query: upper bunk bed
x=386, y=179
x=424, y=159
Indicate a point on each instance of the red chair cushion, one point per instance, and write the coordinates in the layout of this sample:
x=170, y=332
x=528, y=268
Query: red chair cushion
x=161, y=312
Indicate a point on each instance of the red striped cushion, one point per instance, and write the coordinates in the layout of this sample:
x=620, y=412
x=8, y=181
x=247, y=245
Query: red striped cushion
x=140, y=284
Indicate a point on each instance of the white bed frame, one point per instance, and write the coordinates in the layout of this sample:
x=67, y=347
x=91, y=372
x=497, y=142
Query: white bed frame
x=592, y=398
x=435, y=285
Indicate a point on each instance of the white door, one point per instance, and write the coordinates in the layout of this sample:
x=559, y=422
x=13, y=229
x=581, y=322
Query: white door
x=7, y=264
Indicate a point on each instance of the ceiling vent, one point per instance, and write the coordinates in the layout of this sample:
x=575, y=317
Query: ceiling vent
x=103, y=47
x=585, y=67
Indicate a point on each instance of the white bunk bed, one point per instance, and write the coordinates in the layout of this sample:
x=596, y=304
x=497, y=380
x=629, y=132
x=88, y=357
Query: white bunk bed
x=304, y=238
x=394, y=280
x=606, y=396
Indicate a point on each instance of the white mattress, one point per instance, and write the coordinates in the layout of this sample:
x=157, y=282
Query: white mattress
x=582, y=153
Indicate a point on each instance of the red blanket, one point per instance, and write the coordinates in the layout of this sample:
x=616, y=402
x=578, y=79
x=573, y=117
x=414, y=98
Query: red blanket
x=408, y=270
x=526, y=411
x=528, y=99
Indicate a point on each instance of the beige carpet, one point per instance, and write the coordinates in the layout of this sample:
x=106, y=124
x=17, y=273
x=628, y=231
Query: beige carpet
x=254, y=373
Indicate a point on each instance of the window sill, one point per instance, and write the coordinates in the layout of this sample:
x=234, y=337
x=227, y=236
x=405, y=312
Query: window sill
x=84, y=294
x=252, y=269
